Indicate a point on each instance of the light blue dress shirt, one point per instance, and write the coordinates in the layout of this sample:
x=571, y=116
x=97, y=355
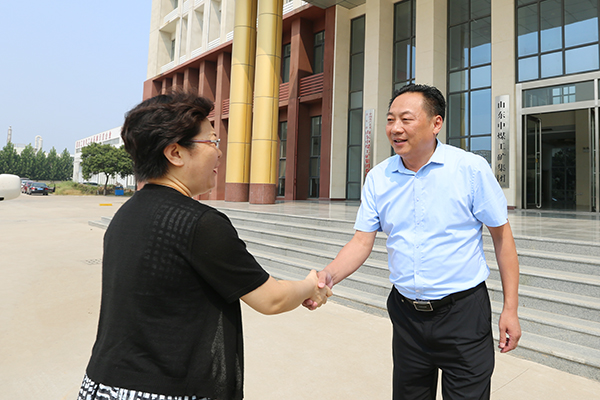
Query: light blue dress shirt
x=433, y=219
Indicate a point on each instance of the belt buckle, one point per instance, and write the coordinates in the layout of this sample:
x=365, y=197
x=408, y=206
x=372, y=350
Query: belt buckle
x=423, y=305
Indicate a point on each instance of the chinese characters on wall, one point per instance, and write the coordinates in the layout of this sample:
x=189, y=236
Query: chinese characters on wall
x=502, y=140
x=369, y=118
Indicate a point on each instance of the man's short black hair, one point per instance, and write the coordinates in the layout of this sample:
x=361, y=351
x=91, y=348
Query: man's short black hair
x=434, y=99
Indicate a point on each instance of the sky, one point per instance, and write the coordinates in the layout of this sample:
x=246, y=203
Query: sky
x=70, y=69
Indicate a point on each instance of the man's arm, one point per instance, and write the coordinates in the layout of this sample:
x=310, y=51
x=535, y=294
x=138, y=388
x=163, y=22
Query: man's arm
x=508, y=264
x=348, y=260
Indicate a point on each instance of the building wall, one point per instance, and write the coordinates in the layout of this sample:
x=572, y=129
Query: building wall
x=202, y=57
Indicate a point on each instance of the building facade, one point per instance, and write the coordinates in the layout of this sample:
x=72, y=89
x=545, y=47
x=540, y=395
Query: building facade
x=301, y=90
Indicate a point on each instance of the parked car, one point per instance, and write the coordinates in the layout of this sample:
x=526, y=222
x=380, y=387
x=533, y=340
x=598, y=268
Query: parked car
x=25, y=185
x=39, y=187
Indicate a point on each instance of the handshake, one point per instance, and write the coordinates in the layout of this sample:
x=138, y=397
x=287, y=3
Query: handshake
x=321, y=283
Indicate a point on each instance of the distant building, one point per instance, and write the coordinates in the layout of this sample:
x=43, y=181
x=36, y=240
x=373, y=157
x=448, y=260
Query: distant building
x=112, y=137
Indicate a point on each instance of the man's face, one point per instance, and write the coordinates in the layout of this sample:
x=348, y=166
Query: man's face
x=411, y=130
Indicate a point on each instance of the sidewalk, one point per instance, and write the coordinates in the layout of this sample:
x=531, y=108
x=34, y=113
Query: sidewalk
x=49, y=303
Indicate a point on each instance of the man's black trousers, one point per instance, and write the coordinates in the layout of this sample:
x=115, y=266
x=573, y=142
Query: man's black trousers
x=456, y=338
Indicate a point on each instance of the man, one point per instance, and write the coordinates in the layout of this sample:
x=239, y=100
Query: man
x=432, y=200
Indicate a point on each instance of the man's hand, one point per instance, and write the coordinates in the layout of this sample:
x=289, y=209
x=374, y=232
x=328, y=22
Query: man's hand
x=325, y=279
x=510, y=331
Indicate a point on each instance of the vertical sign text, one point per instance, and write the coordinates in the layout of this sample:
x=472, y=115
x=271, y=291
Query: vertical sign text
x=502, y=137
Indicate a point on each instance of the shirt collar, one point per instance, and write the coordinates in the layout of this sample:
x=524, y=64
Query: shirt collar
x=436, y=158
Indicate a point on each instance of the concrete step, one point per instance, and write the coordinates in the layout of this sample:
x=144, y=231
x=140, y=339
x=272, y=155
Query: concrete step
x=559, y=290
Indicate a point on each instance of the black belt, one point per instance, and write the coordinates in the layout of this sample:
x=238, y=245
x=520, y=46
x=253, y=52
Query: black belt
x=430, y=305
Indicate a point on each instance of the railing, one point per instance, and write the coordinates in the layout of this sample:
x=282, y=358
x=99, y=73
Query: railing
x=186, y=6
x=287, y=7
x=225, y=107
x=229, y=36
x=311, y=84
x=284, y=91
x=167, y=67
x=197, y=52
x=183, y=59
x=214, y=43
x=171, y=16
x=198, y=3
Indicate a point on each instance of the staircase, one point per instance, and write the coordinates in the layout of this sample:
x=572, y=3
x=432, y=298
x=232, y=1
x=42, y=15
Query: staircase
x=559, y=285
x=559, y=291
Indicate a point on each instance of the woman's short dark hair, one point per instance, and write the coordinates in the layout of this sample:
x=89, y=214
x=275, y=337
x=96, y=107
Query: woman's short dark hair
x=158, y=122
x=434, y=99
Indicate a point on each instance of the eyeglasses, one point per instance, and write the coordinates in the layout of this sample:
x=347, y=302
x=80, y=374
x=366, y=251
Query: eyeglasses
x=214, y=141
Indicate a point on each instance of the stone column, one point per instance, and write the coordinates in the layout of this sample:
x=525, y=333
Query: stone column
x=240, y=101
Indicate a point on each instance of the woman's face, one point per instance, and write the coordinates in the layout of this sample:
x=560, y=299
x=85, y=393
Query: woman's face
x=203, y=161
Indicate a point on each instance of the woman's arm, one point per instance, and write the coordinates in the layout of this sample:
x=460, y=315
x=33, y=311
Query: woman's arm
x=275, y=297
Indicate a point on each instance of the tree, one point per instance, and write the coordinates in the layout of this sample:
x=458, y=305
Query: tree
x=104, y=158
x=65, y=170
x=9, y=160
x=125, y=163
x=40, y=166
x=53, y=166
x=27, y=161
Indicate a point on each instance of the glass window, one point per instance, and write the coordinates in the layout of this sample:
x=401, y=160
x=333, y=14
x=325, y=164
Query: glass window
x=481, y=145
x=527, y=30
x=402, y=60
x=404, y=43
x=552, y=64
x=458, y=12
x=481, y=42
x=319, y=52
x=567, y=31
x=285, y=63
x=459, y=81
x=480, y=8
x=357, y=71
x=481, y=112
x=458, y=114
x=357, y=44
x=581, y=59
x=315, y=157
x=355, y=128
x=470, y=75
x=402, y=20
x=356, y=100
x=481, y=77
x=551, y=25
x=282, y=158
x=528, y=69
x=581, y=22
x=459, y=47
x=581, y=91
x=355, y=111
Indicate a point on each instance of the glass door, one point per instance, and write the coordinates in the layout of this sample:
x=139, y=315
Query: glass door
x=533, y=147
x=559, y=150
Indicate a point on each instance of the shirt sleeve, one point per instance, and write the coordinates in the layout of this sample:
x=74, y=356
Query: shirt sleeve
x=367, y=218
x=221, y=257
x=489, y=201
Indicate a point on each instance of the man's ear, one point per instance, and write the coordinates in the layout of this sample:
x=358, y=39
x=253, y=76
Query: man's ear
x=173, y=153
x=437, y=124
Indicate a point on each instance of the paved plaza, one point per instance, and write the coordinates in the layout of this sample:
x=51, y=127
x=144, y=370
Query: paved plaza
x=49, y=304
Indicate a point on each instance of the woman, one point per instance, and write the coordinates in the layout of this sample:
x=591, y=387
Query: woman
x=174, y=270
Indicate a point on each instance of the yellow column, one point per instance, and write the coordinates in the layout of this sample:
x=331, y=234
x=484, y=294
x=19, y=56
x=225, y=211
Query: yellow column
x=240, y=101
x=263, y=170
